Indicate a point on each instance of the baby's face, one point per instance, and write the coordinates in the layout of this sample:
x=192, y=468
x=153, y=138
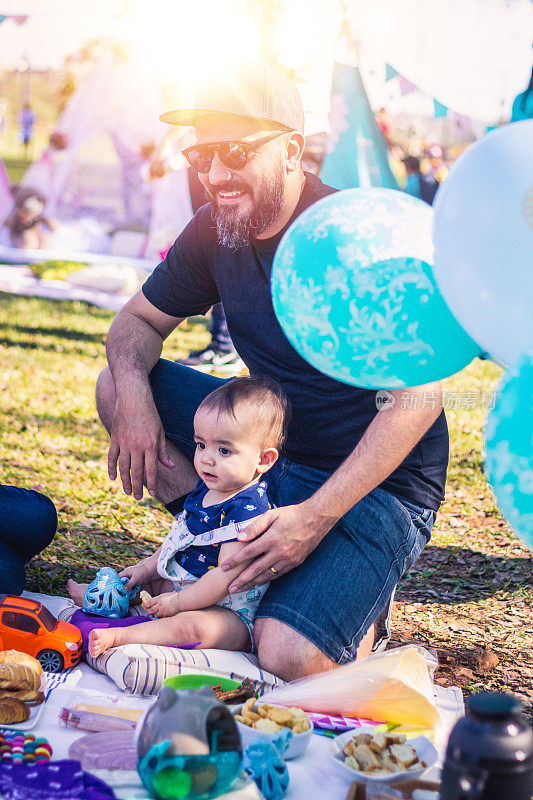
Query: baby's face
x=227, y=455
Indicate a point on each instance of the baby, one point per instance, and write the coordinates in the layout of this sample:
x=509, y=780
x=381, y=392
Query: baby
x=238, y=429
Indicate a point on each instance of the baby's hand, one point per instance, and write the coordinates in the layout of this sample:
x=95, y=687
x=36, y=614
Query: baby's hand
x=137, y=575
x=164, y=605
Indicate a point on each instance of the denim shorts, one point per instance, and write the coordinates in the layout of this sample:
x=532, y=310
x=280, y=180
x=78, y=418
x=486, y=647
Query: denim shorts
x=347, y=581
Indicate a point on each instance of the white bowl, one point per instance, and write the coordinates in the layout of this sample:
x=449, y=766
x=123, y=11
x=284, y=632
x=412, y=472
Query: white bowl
x=423, y=747
x=297, y=744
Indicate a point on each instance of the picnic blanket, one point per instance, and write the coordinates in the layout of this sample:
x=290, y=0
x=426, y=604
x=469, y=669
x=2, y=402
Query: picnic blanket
x=312, y=775
x=17, y=279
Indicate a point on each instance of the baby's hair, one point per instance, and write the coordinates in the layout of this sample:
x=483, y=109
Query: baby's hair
x=266, y=401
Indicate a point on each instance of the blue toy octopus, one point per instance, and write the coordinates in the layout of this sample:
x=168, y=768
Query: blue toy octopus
x=264, y=761
x=107, y=595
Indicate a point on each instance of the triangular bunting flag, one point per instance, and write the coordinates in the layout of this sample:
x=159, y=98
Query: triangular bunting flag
x=390, y=72
x=357, y=153
x=406, y=87
x=461, y=123
x=440, y=110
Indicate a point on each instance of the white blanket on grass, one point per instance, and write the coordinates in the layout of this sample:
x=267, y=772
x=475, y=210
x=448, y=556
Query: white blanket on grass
x=16, y=279
x=312, y=775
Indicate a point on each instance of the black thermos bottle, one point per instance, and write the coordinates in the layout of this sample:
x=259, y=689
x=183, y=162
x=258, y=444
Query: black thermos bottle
x=490, y=752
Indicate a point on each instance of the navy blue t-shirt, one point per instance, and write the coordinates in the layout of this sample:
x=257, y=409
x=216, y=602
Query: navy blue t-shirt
x=246, y=504
x=328, y=417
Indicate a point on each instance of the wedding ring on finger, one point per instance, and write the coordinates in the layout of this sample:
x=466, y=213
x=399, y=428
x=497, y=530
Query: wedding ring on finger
x=274, y=570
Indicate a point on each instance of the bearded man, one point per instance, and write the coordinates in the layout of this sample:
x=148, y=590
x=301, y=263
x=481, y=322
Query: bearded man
x=356, y=491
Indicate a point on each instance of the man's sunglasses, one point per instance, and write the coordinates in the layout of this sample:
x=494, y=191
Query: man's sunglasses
x=233, y=155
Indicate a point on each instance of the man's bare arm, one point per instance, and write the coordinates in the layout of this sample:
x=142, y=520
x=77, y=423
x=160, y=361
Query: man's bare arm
x=134, y=345
x=284, y=537
x=387, y=441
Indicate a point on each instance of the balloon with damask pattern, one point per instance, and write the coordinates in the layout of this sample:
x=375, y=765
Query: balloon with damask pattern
x=509, y=448
x=353, y=290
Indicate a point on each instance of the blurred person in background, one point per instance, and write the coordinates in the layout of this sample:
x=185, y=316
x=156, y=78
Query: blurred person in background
x=29, y=229
x=419, y=185
x=384, y=124
x=26, y=121
x=437, y=165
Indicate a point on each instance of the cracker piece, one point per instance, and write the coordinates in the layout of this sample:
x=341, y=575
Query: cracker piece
x=296, y=712
x=244, y=720
x=264, y=709
x=248, y=705
x=299, y=718
x=300, y=727
x=282, y=716
x=266, y=725
x=251, y=715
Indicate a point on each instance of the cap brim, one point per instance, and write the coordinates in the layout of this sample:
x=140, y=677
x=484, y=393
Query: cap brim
x=183, y=117
x=189, y=116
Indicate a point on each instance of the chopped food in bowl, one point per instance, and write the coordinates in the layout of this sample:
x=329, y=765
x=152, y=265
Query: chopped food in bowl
x=256, y=720
x=384, y=757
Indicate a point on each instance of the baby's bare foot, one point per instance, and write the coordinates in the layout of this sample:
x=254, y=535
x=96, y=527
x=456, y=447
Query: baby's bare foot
x=101, y=640
x=76, y=591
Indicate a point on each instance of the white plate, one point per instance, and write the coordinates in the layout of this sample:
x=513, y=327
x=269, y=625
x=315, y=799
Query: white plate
x=31, y=722
x=423, y=747
x=297, y=744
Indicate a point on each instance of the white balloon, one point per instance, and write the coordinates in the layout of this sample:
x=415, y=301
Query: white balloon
x=483, y=238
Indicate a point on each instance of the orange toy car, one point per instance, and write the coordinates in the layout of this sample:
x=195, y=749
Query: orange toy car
x=28, y=626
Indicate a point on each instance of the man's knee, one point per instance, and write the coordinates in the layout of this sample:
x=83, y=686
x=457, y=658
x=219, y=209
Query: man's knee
x=106, y=396
x=285, y=653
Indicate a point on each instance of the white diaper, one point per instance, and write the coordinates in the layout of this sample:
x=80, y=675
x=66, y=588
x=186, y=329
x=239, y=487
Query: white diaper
x=179, y=538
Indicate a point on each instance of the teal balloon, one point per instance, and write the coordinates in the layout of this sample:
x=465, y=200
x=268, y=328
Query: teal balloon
x=353, y=290
x=509, y=448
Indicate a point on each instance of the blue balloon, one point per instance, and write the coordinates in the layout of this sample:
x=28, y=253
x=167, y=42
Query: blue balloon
x=509, y=448
x=354, y=292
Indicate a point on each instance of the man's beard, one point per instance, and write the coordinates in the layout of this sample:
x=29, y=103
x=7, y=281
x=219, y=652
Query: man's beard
x=235, y=229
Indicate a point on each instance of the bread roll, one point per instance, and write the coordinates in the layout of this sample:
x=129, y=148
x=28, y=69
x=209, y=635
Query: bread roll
x=30, y=696
x=18, y=676
x=13, y=711
x=16, y=657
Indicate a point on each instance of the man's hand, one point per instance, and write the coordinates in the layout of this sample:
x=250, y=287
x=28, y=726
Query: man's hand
x=138, y=443
x=281, y=538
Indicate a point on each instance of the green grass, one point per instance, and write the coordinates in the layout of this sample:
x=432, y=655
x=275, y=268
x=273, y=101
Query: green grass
x=50, y=439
